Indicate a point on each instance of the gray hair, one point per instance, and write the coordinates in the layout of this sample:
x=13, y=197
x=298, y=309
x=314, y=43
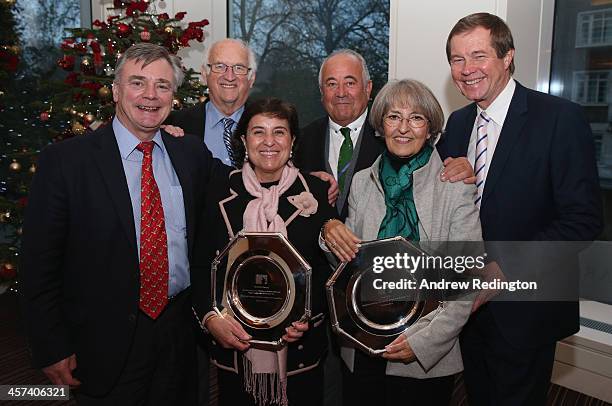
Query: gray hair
x=252, y=60
x=364, y=67
x=407, y=92
x=148, y=53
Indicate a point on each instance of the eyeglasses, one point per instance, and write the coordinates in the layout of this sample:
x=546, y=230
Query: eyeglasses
x=414, y=120
x=222, y=68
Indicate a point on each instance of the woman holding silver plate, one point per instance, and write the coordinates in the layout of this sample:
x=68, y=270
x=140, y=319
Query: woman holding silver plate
x=401, y=195
x=268, y=194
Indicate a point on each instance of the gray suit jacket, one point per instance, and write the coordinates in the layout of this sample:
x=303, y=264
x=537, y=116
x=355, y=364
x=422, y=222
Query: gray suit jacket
x=446, y=212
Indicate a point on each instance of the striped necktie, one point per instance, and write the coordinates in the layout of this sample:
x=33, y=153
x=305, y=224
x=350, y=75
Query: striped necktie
x=228, y=123
x=345, y=156
x=480, y=163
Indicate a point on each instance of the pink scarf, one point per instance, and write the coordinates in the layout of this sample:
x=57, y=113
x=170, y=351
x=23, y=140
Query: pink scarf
x=265, y=372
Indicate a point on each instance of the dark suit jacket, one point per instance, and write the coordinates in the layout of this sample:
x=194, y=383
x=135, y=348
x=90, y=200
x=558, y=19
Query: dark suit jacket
x=191, y=119
x=542, y=185
x=311, y=153
x=303, y=233
x=80, y=263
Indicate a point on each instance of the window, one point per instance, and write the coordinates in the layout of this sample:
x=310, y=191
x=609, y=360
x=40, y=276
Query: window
x=591, y=87
x=594, y=28
x=292, y=37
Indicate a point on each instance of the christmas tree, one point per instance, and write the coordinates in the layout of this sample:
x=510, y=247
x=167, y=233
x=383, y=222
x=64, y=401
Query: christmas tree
x=38, y=111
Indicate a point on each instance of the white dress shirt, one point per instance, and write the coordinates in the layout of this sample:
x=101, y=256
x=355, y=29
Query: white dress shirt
x=497, y=112
x=336, y=138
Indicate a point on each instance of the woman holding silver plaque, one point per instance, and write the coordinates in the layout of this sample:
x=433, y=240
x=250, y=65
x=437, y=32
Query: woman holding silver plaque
x=401, y=195
x=267, y=194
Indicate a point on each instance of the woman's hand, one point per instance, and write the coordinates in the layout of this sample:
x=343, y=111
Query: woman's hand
x=174, y=131
x=228, y=332
x=295, y=331
x=399, y=350
x=340, y=240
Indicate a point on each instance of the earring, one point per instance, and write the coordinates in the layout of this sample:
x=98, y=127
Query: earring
x=246, y=156
x=291, y=154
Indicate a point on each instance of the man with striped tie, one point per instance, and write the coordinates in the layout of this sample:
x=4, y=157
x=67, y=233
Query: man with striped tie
x=229, y=71
x=534, y=160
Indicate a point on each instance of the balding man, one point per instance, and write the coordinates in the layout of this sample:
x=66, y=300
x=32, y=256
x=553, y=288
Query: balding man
x=229, y=71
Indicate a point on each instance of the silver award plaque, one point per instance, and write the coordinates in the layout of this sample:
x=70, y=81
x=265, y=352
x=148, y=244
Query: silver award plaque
x=262, y=281
x=376, y=296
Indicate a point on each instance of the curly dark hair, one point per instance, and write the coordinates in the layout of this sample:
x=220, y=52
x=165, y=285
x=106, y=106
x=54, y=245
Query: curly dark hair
x=271, y=107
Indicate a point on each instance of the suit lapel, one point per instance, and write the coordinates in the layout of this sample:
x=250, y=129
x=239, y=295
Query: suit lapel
x=109, y=163
x=515, y=120
x=180, y=164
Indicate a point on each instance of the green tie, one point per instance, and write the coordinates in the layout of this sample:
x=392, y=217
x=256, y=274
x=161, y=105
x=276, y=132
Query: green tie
x=344, y=159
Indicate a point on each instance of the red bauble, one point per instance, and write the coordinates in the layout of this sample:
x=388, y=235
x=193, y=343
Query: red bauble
x=67, y=62
x=8, y=271
x=44, y=116
x=123, y=30
x=145, y=35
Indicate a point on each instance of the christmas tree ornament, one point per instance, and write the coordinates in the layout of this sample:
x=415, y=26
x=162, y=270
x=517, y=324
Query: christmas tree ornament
x=145, y=35
x=108, y=70
x=123, y=30
x=89, y=118
x=32, y=168
x=45, y=116
x=104, y=92
x=169, y=29
x=15, y=166
x=77, y=128
x=176, y=103
x=87, y=66
x=8, y=271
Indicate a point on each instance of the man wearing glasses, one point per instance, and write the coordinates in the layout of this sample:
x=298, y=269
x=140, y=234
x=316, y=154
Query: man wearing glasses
x=228, y=70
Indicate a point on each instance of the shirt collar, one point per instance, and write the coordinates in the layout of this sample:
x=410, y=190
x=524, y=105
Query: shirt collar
x=128, y=142
x=499, y=108
x=216, y=116
x=354, y=126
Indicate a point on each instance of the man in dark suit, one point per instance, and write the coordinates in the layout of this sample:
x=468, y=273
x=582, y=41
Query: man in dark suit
x=344, y=81
x=107, y=236
x=534, y=160
x=229, y=71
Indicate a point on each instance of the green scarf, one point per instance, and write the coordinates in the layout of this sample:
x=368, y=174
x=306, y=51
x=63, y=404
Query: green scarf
x=401, y=217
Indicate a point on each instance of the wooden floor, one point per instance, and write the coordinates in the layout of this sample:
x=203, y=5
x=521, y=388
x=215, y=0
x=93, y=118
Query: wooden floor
x=15, y=366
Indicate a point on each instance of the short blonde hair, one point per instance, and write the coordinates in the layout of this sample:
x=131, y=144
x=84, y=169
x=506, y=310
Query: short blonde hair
x=400, y=93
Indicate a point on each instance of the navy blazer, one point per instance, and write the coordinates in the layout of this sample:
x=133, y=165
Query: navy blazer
x=542, y=185
x=80, y=262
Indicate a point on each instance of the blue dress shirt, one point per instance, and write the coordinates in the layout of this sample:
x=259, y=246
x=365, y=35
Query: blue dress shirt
x=213, y=130
x=171, y=197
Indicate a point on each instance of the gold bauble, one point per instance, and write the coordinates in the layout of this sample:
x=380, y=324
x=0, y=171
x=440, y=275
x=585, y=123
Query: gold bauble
x=15, y=166
x=32, y=168
x=78, y=128
x=85, y=62
x=169, y=29
x=176, y=103
x=90, y=118
x=104, y=92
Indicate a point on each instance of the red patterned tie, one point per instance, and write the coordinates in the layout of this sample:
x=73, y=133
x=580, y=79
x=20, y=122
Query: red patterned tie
x=153, y=241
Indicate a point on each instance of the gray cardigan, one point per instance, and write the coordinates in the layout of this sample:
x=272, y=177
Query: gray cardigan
x=446, y=212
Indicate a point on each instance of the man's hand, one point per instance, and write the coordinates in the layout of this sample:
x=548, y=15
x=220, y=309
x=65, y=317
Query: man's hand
x=399, y=350
x=174, y=131
x=456, y=169
x=295, y=331
x=228, y=332
x=60, y=373
x=333, y=191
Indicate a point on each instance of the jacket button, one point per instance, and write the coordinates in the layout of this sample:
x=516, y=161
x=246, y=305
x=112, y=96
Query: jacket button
x=132, y=317
x=300, y=365
x=300, y=347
